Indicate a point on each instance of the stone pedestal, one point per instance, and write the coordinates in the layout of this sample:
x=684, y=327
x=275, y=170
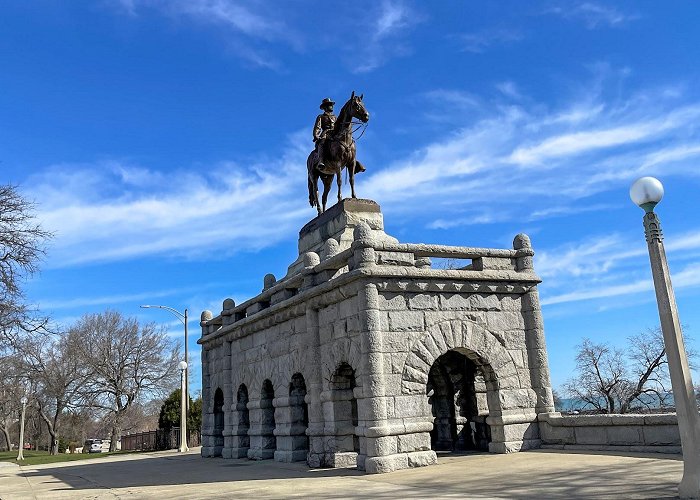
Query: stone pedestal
x=338, y=223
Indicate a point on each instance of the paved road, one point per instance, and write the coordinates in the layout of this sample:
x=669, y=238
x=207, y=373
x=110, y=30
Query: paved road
x=533, y=474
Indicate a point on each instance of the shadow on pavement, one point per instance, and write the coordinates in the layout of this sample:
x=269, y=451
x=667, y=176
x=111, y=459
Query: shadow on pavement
x=541, y=474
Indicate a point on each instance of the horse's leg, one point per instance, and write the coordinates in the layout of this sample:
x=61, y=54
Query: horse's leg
x=318, y=205
x=339, y=181
x=326, y=189
x=313, y=182
x=351, y=175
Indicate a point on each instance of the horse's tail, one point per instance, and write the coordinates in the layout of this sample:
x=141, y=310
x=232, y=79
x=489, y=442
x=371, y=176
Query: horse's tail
x=312, y=190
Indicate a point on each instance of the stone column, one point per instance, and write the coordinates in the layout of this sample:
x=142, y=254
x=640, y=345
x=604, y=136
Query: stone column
x=291, y=440
x=262, y=426
x=315, y=431
x=229, y=401
x=239, y=430
x=255, y=452
x=283, y=430
x=371, y=397
x=534, y=331
x=371, y=404
x=207, y=396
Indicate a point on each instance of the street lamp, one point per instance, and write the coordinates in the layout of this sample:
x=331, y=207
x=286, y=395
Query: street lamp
x=183, y=411
x=647, y=192
x=183, y=320
x=20, y=453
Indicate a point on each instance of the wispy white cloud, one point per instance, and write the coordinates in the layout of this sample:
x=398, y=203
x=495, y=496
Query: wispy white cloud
x=463, y=221
x=579, y=142
x=452, y=97
x=562, y=210
x=505, y=156
x=687, y=278
x=100, y=213
x=257, y=33
x=109, y=300
x=509, y=89
x=593, y=15
x=612, y=265
x=481, y=41
x=672, y=155
x=388, y=23
x=251, y=26
x=249, y=18
x=585, y=147
x=393, y=17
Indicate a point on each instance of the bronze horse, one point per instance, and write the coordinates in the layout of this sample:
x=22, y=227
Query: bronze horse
x=339, y=153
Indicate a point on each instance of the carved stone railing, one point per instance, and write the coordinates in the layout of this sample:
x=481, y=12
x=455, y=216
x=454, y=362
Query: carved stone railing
x=368, y=256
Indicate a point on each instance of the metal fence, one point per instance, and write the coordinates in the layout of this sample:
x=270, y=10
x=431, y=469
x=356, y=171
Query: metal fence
x=158, y=440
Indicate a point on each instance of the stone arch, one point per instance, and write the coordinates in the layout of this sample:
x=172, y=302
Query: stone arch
x=218, y=431
x=265, y=369
x=345, y=350
x=454, y=387
x=344, y=404
x=469, y=338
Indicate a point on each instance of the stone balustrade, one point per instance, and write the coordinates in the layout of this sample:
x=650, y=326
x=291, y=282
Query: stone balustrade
x=628, y=432
x=485, y=264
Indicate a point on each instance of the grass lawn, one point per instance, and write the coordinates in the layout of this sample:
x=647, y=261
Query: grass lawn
x=32, y=457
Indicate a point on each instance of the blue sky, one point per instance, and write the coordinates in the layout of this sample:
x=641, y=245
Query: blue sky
x=164, y=143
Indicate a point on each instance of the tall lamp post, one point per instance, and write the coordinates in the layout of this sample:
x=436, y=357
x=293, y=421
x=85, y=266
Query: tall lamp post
x=183, y=320
x=20, y=453
x=183, y=412
x=647, y=193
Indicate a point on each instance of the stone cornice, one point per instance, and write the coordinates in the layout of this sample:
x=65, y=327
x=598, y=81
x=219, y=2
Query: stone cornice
x=400, y=278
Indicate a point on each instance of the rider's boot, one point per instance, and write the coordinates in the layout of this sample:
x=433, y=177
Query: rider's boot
x=319, y=151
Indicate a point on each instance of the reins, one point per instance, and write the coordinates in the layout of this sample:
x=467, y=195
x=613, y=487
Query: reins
x=360, y=125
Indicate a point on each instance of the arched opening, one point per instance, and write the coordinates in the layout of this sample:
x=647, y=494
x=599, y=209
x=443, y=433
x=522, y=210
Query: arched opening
x=243, y=421
x=456, y=391
x=267, y=422
x=345, y=409
x=218, y=422
x=299, y=418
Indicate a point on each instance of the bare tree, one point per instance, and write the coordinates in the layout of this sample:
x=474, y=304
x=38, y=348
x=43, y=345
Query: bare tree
x=21, y=248
x=600, y=376
x=649, y=369
x=59, y=373
x=614, y=381
x=128, y=362
x=11, y=392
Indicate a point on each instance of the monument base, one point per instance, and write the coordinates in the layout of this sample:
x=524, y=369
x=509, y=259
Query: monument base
x=338, y=223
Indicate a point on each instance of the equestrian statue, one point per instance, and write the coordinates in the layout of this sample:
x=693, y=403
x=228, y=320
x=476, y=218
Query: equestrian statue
x=335, y=148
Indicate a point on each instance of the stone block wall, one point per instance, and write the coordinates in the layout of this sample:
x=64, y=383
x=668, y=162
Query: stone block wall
x=364, y=355
x=636, y=433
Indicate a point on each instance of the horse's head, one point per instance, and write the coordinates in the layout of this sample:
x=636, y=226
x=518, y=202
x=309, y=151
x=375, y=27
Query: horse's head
x=357, y=108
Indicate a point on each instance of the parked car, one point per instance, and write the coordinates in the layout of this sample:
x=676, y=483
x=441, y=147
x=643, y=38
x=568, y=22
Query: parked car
x=93, y=446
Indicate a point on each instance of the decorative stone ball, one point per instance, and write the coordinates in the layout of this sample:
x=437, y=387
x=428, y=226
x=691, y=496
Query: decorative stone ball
x=311, y=259
x=206, y=315
x=330, y=248
x=423, y=262
x=522, y=240
x=269, y=281
x=362, y=232
x=229, y=304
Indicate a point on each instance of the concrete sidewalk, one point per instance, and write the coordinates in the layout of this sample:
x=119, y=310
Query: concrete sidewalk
x=533, y=474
